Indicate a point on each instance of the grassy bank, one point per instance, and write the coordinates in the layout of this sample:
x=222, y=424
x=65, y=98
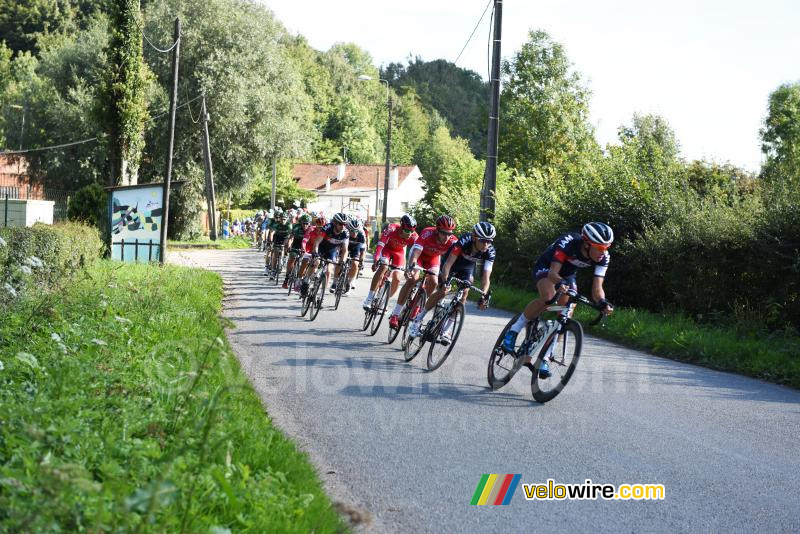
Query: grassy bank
x=772, y=357
x=220, y=244
x=122, y=408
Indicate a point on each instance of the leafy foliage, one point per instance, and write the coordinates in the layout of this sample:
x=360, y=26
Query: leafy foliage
x=89, y=205
x=44, y=257
x=124, y=93
x=545, y=110
x=458, y=95
x=123, y=407
x=780, y=136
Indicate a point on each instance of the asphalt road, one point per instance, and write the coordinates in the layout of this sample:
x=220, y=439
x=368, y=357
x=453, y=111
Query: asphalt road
x=405, y=448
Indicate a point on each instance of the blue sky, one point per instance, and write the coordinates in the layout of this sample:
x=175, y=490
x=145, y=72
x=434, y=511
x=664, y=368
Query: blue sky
x=707, y=66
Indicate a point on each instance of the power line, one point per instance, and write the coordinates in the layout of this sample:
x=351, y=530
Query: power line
x=51, y=147
x=473, y=31
x=157, y=49
x=82, y=141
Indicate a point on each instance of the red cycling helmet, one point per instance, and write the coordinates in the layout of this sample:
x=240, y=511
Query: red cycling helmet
x=445, y=223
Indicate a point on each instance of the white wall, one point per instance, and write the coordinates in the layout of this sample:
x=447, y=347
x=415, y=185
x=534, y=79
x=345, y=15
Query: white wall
x=26, y=212
x=410, y=191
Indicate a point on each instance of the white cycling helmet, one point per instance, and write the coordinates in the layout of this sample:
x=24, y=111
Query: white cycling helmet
x=484, y=230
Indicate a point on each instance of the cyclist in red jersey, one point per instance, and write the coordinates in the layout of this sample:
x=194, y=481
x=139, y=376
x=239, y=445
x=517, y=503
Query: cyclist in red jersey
x=432, y=243
x=391, y=250
x=309, y=237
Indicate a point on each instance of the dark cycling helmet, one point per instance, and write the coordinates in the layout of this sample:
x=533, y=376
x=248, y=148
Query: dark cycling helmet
x=305, y=218
x=598, y=233
x=484, y=230
x=340, y=218
x=354, y=224
x=407, y=222
x=446, y=223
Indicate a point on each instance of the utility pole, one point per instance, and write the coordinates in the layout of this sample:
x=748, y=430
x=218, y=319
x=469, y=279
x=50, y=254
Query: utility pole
x=490, y=175
x=274, y=179
x=210, y=195
x=388, y=161
x=176, y=53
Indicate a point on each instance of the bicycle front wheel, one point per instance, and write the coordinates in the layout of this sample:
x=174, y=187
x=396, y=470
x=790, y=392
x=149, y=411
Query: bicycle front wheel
x=444, y=337
x=306, y=302
x=416, y=307
x=380, y=308
x=561, y=351
x=504, y=365
x=319, y=295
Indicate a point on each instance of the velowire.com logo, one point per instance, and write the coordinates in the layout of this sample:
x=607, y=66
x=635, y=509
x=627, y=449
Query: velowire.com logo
x=495, y=489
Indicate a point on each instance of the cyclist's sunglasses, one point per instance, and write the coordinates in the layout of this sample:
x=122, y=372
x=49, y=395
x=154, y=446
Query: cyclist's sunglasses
x=445, y=232
x=406, y=230
x=489, y=241
x=599, y=246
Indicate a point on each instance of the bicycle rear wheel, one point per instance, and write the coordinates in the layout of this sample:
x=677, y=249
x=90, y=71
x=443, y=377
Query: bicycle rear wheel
x=292, y=276
x=504, y=365
x=379, y=305
x=319, y=296
x=449, y=327
x=562, y=359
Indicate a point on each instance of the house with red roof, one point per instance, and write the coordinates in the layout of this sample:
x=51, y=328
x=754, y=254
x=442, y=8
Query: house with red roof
x=358, y=189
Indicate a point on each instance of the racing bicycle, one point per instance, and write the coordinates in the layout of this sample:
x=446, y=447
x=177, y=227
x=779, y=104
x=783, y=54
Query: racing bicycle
x=374, y=315
x=556, y=341
x=443, y=330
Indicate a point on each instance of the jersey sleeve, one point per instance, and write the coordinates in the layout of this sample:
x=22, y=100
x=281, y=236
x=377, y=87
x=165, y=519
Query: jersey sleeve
x=601, y=267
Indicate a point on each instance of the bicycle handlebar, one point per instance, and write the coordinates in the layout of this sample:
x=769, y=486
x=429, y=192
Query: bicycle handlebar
x=574, y=296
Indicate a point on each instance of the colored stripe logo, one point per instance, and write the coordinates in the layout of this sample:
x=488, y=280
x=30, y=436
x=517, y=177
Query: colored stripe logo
x=495, y=489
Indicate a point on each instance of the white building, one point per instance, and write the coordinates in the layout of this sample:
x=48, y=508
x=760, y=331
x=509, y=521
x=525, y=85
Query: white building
x=358, y=189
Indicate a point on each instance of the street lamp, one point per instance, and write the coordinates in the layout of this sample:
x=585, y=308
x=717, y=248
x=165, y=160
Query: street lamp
x=22, y=128
x=364, y=77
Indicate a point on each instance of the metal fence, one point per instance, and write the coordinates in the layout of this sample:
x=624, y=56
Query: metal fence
x=12, y=188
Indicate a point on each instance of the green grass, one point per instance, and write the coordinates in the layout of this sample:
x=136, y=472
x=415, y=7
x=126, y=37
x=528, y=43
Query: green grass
x=775, y=357
x=122, y=408
x=205, y=242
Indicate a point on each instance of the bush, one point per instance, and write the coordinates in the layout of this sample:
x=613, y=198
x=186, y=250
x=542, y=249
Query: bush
x=44, y=256
x=89, y=205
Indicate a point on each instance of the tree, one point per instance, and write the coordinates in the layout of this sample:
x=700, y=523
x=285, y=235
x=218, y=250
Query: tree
x=780, y=136
x=24, y=22
x=59, y=92
x=232, y=51
x=123, y=100
x=544, y=110
x=459, y=95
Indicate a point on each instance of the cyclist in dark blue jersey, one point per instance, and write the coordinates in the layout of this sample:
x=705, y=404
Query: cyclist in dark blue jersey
x=332, y=242
x=555, y=271
x=356, y=248
x=459, y=262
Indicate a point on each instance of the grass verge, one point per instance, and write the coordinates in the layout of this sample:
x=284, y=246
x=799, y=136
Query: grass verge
x=122, y=408
x=221, y=244
x=774, y=357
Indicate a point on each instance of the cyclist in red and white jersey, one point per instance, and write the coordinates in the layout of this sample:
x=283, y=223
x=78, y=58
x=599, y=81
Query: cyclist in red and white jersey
x=432, y=243
x=391, y=250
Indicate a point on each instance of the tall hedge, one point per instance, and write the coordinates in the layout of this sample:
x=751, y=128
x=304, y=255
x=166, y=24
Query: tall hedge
x=44, y=256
